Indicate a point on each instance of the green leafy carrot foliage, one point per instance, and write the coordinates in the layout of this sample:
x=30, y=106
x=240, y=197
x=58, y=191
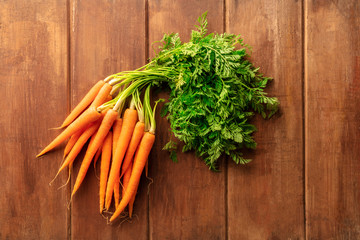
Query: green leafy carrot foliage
x=214, y=92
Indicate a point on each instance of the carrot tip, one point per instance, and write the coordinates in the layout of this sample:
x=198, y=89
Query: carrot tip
x=57, y=128
x=40, y=154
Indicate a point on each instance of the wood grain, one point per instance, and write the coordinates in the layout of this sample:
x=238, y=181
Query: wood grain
x=304, y=180
x=265, y=198
x=33, y=81
x=106, y=38
x=187, y=201
x=332, y=48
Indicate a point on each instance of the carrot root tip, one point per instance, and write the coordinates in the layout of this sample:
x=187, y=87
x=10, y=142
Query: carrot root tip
x=57, y=128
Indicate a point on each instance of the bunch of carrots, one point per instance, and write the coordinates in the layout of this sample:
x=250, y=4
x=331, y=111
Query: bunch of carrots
x=121, y=129
x=213, y=91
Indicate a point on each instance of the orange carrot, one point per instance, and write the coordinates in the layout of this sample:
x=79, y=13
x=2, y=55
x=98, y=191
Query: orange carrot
x=89, y=116
x=83, y=104
x=97, y=155
x=116, y=130
x=102, y=96
x=117, y=192
x=126, y=179
x=129, y=121
x=104, y=168
x=108, y=98
x=131, y=203
x=103, y=130
x=139, y=163
x=125, y=182
x=73, y=139
x=79, y=144
x=89, y=132
x=134, y=142
x=98, y=152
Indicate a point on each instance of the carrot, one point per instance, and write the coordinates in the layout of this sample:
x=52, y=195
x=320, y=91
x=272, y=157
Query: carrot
x=98, y=152
x=83, y=104
x=102, y=96
x=129, y=121
x=124, y=185
x=104, y=167
x=134, y=142
x=131, y=203
x=103, y=130
x=117, y=192
x=116, y=130
x=89, y=132
x=89, y=116
x=97, y=155
x=108, y=98
x=139, y=163
x=73, y=139
x=126, y=179
x=79, y=144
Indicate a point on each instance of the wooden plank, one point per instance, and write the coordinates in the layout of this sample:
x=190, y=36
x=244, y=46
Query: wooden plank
x=265, y=198
x=332, y=54
x=33, y=81
x=187, y=201
x=107, y=37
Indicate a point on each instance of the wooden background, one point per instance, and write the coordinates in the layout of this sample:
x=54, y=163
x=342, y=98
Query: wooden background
x=304, y=181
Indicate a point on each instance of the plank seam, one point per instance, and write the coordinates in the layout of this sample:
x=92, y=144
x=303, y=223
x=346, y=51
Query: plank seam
x=304, y=105
x=226, y=160
x=69, y=102
x=146, y=23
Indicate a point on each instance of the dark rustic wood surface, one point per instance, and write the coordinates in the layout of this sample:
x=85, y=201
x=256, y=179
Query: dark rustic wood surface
x=332, y=119
x=33, y=88
x=271, y=187
x=304, y=180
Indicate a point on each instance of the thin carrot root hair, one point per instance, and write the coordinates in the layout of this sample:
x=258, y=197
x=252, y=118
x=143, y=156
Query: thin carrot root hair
x=127, y=219
x=151, y=182
x=107, y=211
x=68, y=180
x=132, y=218
x=51, y=182
x=123, y=215
x=105, y=217
x=68, y=205
x=55, y=128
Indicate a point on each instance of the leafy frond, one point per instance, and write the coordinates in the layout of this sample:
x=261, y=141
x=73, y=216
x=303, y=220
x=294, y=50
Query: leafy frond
x=215, y=90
